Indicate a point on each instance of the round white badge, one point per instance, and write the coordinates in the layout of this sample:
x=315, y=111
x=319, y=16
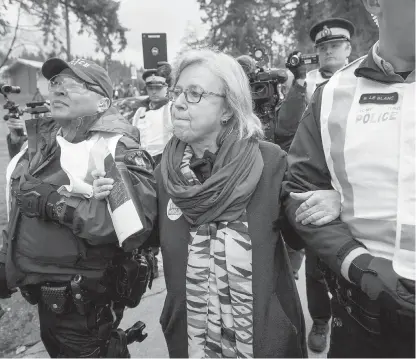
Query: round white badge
x=173, y=211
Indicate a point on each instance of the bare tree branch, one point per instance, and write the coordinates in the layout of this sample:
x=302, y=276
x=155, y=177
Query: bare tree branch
x=13, y=40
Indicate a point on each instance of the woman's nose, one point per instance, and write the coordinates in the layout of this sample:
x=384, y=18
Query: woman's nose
x=180, y=102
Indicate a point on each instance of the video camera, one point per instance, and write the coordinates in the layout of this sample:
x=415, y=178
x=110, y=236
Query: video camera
x=304, y=59
x=35, y=108
x=266, y=82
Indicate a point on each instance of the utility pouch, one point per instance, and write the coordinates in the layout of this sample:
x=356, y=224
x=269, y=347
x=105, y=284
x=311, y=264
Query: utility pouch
x=56, y=298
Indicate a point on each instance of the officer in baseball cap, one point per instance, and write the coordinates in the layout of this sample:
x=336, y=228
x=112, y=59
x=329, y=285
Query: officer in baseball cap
x=93, y=75
x=332, y=41
x=68, y=259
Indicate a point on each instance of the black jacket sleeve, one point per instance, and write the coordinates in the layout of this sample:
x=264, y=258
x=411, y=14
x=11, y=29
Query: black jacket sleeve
x=307, y=171
x=289, y=115
x=91, y=219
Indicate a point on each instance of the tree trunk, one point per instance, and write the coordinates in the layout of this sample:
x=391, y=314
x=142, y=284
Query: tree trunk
x=68, y=33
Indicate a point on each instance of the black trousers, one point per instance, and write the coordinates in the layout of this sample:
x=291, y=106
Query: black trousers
x=349, y=339
x=71, y=334
x=319, y=303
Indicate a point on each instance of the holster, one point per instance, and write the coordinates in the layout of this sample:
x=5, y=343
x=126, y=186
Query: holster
x=130, y=277
x=358, y=305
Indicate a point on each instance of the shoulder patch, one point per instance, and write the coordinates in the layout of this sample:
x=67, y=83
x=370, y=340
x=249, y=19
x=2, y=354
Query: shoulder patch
x=139, y=158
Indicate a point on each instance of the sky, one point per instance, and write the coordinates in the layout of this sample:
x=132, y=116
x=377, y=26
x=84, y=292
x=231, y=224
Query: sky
x=172, y=17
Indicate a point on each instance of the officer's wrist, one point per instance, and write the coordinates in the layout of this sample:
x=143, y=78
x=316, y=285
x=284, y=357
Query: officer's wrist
x=358, y=267
x=53, y=198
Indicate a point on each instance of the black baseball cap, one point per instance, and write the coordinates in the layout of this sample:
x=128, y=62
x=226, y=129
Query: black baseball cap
x=86, y=70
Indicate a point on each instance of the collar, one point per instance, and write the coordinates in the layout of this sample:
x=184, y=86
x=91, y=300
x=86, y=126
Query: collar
x=382, y=64
x=374, y=67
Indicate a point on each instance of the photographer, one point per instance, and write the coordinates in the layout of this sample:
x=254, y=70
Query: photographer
x=332, y=40
x=62, y=251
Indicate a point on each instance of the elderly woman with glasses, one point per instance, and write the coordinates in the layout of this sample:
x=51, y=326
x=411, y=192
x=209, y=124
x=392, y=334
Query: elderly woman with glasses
x=230, y=288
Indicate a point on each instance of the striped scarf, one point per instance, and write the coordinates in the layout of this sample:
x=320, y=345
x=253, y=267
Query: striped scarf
x=219, y=295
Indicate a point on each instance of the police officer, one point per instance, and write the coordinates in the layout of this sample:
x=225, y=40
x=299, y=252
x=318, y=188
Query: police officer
x=332, y=41
x=152, y=118
x=358, y=135
x=62, y=251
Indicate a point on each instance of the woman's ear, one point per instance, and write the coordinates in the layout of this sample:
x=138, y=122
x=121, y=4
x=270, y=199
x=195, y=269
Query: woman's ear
x=227, y=115
x=103, y=104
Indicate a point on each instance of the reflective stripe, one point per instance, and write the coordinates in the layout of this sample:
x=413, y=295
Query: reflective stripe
x=313, y=79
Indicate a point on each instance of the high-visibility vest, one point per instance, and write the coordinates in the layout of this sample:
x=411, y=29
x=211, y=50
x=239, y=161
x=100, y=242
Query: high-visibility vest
x=155, y=128
x=368, y=137
x=313, y=79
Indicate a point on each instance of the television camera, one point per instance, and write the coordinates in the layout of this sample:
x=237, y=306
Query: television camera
x=36, y=108
x=266, y=89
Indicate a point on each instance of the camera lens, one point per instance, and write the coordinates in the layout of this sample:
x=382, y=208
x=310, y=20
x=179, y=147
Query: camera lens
x=10, y=89
x=294, y=61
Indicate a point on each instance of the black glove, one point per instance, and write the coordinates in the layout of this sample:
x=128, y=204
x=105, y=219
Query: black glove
x=377, y=279
x=299, y=70
x=36, y=199
x=5, y=292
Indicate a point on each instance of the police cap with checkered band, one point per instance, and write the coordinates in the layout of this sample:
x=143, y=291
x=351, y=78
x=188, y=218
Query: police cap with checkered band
x=332, y=30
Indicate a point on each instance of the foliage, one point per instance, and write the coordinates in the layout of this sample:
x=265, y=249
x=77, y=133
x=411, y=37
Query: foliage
x=240, y=26
x=97, y=17
x=280, y=26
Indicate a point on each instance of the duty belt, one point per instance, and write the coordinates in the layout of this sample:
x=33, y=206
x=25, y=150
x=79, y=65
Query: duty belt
x=59, y=296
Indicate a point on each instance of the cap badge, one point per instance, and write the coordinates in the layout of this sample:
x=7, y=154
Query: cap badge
x=326, y=32
x=80, y=62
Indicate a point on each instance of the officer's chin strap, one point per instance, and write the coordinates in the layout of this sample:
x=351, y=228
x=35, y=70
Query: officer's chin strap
x=117, y=346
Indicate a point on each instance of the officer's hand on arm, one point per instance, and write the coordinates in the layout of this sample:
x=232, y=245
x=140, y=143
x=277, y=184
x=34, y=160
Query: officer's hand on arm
x=298, y=70
x=318, y=207
x=308, y=171
x=101, y=186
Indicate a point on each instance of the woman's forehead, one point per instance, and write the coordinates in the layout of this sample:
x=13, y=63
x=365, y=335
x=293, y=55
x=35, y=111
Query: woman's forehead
x=199, y=75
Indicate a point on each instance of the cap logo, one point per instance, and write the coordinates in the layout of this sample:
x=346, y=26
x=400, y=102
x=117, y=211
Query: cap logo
x=326, y=32
x=80, y=62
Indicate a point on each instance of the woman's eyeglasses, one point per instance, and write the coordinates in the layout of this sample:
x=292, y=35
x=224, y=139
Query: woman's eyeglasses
x=191, y=95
